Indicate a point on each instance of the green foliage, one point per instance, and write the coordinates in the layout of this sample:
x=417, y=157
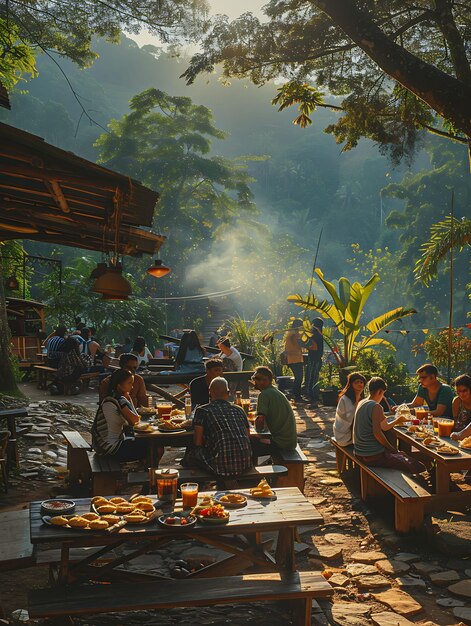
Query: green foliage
x=66, y=28
x=445, y=235
x=345, y=311
x=356, y=51
x=435, y=347
x=373, y=363
x=17, y=60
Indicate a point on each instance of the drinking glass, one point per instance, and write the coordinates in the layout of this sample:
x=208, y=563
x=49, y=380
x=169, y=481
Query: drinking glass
x=189, y=495
x=445, y=427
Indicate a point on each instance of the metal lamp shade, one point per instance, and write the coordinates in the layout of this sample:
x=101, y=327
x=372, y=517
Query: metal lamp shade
x=12, y=283
x=99, y=270
x=158, y=269
x=113, y=285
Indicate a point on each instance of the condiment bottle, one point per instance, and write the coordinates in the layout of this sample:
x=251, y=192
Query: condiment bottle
x=238, y=399
x=187, y=405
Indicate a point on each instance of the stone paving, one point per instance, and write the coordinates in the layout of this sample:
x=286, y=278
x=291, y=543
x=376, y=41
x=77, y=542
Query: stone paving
x=378, y=577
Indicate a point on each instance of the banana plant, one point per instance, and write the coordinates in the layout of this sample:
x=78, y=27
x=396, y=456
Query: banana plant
x=345, y=311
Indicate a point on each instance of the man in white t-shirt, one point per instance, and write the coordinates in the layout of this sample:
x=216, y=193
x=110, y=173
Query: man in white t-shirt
x=230, y=353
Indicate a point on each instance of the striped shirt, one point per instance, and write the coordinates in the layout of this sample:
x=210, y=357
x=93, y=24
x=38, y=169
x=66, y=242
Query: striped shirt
x=227, y=450
x=54, y=347
x=109, y=423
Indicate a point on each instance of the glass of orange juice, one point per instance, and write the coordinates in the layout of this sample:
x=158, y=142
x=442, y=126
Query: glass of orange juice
x=445, y=426
x=246, y=405
x=164, y=409
x=421, y=413
x=189, y=495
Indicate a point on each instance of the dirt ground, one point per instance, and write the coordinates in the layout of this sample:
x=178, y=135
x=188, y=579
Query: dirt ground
x=350, y=526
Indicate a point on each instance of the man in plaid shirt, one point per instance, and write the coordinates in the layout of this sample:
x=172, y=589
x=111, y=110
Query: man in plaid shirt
x=222, y=443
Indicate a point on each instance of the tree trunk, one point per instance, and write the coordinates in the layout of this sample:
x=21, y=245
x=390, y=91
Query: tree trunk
x=7, y=377
x=446, y=95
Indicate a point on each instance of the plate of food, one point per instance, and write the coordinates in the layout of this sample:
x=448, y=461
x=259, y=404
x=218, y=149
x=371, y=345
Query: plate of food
x=431, y=441
x=231, y=499
x=121, y=506
x=263, y=491
x=170, y=428
x=445, y=449
x=85, y=522
x=143, y=427
x=215, y=514
x=465, y=443
x=57, y=506
x=177, y=519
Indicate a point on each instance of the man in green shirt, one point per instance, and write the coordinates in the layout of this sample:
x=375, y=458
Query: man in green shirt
x=436, y=395
x=274, y=411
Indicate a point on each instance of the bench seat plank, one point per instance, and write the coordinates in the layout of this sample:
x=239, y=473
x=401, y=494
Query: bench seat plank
x=16, y=549
x=77, y=600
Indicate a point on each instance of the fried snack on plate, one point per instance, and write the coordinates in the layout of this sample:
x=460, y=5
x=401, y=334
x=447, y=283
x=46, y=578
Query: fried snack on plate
x=98, y=524
x=147, y=507
x=232, y=498
x=106, y=508
x=78, y=522
x=90, y=516
x=132, y=518
x=448, y=450
x=111, y=519
x=466, y=443
x=262, y=490
x=125, y=508
x=99, y=500
x=118, y=500
x=139, y=499
x=59, y=520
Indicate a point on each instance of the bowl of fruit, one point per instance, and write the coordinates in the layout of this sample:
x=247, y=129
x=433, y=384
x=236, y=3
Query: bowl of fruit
x=177, y=520
x=215, y=514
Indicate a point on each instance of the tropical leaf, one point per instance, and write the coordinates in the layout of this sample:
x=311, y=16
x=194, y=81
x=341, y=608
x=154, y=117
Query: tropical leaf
x=327, y=309
x=331, y=289
x=369, y=342
x=380, y=322
x=359, y=294
x=344, y=290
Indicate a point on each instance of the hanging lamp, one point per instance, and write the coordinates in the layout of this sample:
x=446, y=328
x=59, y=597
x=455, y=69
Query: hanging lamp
x=98, y=271
x=112, y=283
x=158, y=269
x=12, y=283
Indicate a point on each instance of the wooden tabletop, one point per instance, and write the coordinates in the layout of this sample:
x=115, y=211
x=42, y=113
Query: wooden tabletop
x=461, y=460
x=290, y=509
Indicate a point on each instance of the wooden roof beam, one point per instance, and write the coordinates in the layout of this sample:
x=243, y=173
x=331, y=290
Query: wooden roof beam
x=58, y=195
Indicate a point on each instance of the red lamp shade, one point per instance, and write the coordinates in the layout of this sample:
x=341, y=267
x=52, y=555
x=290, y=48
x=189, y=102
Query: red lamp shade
x=158, y=269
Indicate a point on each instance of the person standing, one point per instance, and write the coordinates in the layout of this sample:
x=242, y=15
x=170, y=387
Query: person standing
x=315, y=350
x=294, y=357
x=371, y=446
x=435, y=394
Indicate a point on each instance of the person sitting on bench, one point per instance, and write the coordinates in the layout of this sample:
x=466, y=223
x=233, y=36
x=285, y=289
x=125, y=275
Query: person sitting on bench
x=221, y=440
x=72, y=365
x=199, y=387
x=349, y=398
x=115, y=418
x=54, y=343
x=433, y=393
x=128, y=361
x=370, y=443
x=275, y=411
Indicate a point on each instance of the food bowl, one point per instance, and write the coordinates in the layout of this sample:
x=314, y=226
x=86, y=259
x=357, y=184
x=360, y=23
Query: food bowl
x=57, y=506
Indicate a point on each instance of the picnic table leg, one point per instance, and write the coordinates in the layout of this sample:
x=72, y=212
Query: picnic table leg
x=64, y=565
x=442, y=475
x=302, y=611
x=13, y=456
x=285, y=550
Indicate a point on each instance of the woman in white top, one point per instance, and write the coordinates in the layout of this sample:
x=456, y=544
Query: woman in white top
x=349, y=397
x=141, y=351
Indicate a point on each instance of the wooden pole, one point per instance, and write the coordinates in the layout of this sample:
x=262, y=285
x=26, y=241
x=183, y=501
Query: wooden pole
x=450, y=317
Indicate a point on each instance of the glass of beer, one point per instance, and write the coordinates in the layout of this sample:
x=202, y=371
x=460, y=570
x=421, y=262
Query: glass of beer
x=189, y=495
x=445, y=426
x=421, y=413
x=164, y=409
x=167, y=482
x=246, y=405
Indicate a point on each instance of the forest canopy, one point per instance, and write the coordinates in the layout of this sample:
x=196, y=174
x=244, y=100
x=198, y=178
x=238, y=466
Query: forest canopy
x=397, y=67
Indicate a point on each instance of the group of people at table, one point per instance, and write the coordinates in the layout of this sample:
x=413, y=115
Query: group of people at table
x=362, y=420
x=223, y=442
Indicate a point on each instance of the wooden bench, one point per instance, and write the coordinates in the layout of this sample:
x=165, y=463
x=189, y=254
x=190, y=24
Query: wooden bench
x=410, y=496
x=299, y=588
x=44, y=373
x=16, y=549
x=273, y=473
x=294, y=460
x=86, y=467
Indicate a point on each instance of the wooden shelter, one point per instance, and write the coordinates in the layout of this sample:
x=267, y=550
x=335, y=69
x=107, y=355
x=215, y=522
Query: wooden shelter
x=52, y=195
x=26, y=322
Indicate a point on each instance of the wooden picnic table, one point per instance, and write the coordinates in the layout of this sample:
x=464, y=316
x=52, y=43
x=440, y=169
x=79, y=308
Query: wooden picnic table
x=241, y=538
x=10, y=415
x=209, y=349
x=444, y=464
x=155, y=382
